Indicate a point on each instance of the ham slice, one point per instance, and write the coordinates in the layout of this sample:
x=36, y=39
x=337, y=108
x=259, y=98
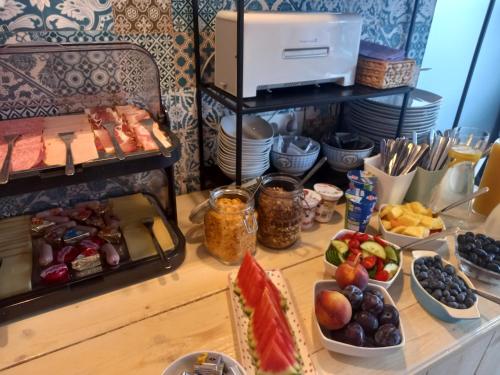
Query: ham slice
x=103, y=141
x=125, y=138
x=144, y=139
x=133, y=116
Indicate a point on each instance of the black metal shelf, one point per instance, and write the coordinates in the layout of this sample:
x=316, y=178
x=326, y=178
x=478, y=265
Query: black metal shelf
x=300, y=96
x=277, y=99
x=55, y=177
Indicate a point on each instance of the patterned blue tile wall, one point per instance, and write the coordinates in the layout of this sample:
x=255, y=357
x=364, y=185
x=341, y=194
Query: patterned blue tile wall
x=164, y=27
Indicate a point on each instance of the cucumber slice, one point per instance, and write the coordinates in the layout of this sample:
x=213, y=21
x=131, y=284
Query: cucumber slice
x=374, y=248
x=391, y=268
x=365, y=253
x=392, y=254
x=341, y=246
x=372, y=272
x=332, y=256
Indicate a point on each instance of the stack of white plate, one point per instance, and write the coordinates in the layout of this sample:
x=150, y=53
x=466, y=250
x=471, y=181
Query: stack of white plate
x=257, y=143
x=378, y=118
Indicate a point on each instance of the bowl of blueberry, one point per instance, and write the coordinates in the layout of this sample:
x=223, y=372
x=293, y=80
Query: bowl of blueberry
x=479, y=256
x=356, y=322
x=441, y=289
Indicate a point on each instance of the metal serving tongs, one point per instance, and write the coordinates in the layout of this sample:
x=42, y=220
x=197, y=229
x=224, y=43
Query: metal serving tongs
x=4, y=173
x=148, y=223
x=110, y=127
x=467, y=198
x=432, y=237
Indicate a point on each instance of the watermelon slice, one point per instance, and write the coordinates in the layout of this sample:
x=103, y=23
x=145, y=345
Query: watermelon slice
x=275, y=335
x=275, y=362
x=267, y=309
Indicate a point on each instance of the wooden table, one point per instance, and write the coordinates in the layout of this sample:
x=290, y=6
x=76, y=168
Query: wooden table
x=142, y=328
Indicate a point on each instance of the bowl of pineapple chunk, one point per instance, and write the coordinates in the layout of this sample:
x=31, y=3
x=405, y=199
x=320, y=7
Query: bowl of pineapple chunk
x=405, y=223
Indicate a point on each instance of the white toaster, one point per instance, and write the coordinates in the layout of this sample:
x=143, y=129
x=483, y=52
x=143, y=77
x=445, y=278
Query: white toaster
x=283, y=49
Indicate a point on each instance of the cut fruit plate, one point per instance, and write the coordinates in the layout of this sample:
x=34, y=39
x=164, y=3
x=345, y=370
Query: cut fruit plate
x=270, y=339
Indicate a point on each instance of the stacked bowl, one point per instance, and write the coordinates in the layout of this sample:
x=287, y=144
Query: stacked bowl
x=378, y=118
x=257, y=142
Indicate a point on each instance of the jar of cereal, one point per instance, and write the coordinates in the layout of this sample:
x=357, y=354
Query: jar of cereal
x=280, y=211
x=230, y=224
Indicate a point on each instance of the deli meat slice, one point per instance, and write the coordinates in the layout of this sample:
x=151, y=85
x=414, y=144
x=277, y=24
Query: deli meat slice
x=132, y=116
x=28, y=151
x=103, y=141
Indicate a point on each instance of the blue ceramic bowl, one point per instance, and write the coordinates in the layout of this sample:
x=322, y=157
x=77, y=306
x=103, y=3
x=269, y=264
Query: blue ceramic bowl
x=344, y=160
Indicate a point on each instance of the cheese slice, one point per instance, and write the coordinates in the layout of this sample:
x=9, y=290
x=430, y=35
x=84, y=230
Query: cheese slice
x=15, y=275
x=15, y=237
x=162, y=234
x=139, y=242
x=133, y=210
x=83, y=145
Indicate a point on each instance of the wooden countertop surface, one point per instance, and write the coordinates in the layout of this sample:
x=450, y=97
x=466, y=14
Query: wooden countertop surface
x=144, y=327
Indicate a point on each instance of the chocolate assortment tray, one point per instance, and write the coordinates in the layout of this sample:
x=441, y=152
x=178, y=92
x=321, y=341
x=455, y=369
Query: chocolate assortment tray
x=79, y=251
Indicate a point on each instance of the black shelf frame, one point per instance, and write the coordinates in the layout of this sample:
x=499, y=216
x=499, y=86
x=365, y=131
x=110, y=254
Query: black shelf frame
x=39, y=300
x=277, y=99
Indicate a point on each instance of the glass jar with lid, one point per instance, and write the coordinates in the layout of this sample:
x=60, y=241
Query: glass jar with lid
x=279, y=211
x=230, y=224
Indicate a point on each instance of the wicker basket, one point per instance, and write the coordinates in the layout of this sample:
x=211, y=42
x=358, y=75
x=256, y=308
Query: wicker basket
x=384, y=74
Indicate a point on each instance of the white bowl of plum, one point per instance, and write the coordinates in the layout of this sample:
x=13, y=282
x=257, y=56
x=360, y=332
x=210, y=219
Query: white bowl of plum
x=355, y=322
x=442, y=289
x=479, y=256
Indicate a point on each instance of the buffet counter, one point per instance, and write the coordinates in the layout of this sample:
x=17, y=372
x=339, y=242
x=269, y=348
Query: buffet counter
x=142, y=328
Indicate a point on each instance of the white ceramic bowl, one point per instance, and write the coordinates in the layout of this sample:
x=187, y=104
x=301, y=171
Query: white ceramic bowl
x=186, y=362
x=347, y=349
x=432, y=305
x=403, y=239
x=331, y=268
x=254, y=128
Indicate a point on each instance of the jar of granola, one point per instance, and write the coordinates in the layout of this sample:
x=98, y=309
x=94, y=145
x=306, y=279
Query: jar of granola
x=230, y=224
x=280, y=211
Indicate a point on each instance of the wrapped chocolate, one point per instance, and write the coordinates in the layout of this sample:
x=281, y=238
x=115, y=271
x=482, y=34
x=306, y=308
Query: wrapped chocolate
x=112, y=257
x=39, y=226
x=67, y=254
x=94, y=243
x=86, y=228
x=74, y=235
x=111, y=221
x=80, y=215
x=95, y=221
x=109, y=234
x=88, y=271
x=57, y=273
x=57, y=219
x=87, y=259
x=89, y=205
x=50, y=212
x=45, y=253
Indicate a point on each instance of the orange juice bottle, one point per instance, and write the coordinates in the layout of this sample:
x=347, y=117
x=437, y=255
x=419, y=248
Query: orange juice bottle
x=485, y=203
